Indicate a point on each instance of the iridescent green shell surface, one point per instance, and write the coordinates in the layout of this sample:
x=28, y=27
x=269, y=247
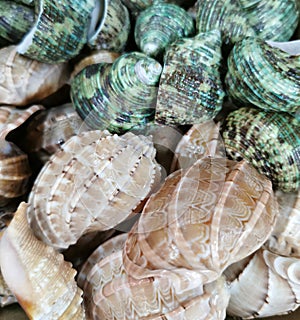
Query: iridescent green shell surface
x=15, y=20
x=270, y=141
x=190, y=89
x=159, y=25
x=225, y=15
x=117, y=96
x=60, y=30
x=264, y=75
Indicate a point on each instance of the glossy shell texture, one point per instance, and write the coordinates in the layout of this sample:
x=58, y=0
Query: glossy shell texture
x=159, y=25
x=60, y=30
x=263, y=285
x=270, y=141
x=190, y=89
x=93, y=183
x=264, y=75
x=34, y=271
x=117, y=96
x=24, y=81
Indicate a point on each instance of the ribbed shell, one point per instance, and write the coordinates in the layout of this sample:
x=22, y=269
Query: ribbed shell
x=15, y=21
x=264, y=75
x=159, y=25
x=23, y=80
x=60, y=30
x=117, y=96
x=263, y=285
x=270, y=141
x=93, y=183
x=190, y=89
x=39, y=277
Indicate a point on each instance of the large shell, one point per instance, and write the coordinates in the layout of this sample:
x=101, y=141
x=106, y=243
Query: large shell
x=41, y=280
x=190, y=89
x=263, y=285
x=263, y=74
x=204, y=219
x=159, y=25
x=15, y=21
x=60, y=30
x=270, y=141
x=118, y=96
x=93, y=183
x=23, y=80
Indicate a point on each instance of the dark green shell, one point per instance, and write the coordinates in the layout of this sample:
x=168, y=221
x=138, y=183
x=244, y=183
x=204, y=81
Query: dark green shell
x=16, y=20
x=117, y=96
x=159, y=25
x=263, y=75
x=190, y=89
x=270, y=141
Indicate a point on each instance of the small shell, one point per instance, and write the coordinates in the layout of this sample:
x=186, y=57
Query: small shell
x=264, y=285
x=60, y=30
x=93, y=183
x=285, y=238
x=24, y=81
x=159, y=25
x=41, y=280
x=15, y=21
x=190, y=89
x=270, y=141
x=111, y=30
x=265, y=75
x=117, y=96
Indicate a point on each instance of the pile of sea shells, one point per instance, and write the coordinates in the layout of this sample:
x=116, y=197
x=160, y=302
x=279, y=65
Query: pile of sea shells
x=150, y=158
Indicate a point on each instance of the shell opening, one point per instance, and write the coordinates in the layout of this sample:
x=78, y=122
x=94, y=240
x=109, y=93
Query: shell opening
x=97, y=19
x=291, y=47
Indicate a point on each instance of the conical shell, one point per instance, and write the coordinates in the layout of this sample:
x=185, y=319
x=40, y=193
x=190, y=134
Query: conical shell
x=263, y=74
x=264, y=285
x=270, y=141
x=190, y=89
x=39, y=277
x=60, y=30
x=159, y=25
x=117, y=97
x=93, y=183
x=24, y=81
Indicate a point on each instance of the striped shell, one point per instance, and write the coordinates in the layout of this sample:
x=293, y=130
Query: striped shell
x=93, y=183
x=117, y=96
x=263, y=285
x=159, y=25
x=41, y=280
x=270, y=141
x=265, y=75
x=190, y=89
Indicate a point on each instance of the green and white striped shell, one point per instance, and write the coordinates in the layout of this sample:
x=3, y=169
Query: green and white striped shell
x=159, y=25
x=190, y=89
x=265, y=74
x=117, y=96
x=270, y=141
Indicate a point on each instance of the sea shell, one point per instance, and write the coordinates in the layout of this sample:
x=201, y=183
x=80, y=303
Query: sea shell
x=190, y=89
x=203, y=219
x=285, y=238
x=41, y=280
x=60, y=30
x=117, y=96
x=225, y=15
x=93, y=183
x=276, y=20
x=24, y=81
x=265, y=74
x=111, y=30
x=270, y=141
x=263, y=285
x=6, y=296
x=15, y=21
x=159, y=25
